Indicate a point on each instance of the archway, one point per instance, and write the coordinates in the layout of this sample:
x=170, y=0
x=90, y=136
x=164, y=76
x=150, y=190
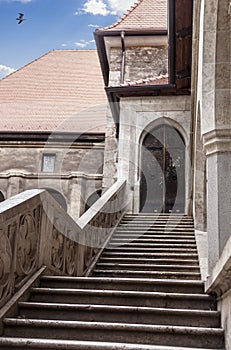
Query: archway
x=92, y=199
x=58, y=197
x=2, y=198
x=162, y=187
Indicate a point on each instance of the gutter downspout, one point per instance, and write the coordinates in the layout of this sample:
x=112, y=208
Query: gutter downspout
x=122, y=35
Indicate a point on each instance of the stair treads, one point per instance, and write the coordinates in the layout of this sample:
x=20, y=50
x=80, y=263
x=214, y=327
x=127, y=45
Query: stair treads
x=77, y=330
x=50, y=344
x=117, y=297
x=121, y=314
x=113, y=283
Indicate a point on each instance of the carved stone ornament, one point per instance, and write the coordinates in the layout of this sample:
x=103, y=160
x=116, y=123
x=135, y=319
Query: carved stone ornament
x=28, y=240
x=5, y=265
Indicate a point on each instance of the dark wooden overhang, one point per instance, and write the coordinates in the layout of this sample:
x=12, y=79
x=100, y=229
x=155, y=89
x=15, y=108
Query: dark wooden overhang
x=51, y=137
x=180, y=52
x=100, y=44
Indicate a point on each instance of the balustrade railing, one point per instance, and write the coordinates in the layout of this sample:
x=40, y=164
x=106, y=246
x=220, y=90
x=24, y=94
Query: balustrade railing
x=35, y=231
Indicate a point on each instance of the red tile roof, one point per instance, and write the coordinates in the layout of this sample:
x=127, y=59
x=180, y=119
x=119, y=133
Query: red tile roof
x=159, y=80
x=62, y=90
x=144, y=14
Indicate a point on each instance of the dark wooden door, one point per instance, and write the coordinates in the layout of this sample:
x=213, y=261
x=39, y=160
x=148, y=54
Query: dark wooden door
x=163, y=171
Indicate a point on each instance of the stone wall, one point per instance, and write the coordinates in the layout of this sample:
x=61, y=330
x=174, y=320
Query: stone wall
x=140, y=115
x=77, y=173
x=140, y=63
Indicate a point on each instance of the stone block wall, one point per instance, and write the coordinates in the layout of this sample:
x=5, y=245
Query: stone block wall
x=77, y=172
x=140, y=63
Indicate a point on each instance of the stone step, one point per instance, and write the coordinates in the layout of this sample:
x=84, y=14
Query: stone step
x=131, y=284
x=126, y=298
x=152, y=244
x=152, y=249
x=191, y=263
x=152, y=234
x=157, y=223
x=159, y=215
x=156, y=218
x=154, y=230
x=157, y=226
x=152, y=239
x=148, y=274
x=146, y=267
x=116, y=332
x=138, y=254
x=119, y=314
x=50, y=344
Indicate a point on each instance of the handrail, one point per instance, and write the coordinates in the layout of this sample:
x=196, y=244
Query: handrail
x=35, y=231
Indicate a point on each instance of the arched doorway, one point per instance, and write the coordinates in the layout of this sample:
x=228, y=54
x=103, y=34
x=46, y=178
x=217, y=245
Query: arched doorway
x=162, y=187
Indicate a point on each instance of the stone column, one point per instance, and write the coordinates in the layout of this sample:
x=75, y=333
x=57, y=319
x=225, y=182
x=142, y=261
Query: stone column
x=110, y=154
x=76, y=189
x=217, y=144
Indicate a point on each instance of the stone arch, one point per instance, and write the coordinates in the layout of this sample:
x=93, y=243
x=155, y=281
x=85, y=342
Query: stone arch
x=2, y=198
x=164, y=120
x=162, y=154
x=58, y=197
x=92, y=199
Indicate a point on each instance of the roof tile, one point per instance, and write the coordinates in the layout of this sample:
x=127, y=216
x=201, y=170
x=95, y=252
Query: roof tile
x=55, y=93
x=144, y=14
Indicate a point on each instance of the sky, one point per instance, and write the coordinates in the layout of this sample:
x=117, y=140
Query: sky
x=49, y=25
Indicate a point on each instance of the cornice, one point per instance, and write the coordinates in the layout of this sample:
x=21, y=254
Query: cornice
x=217, y=141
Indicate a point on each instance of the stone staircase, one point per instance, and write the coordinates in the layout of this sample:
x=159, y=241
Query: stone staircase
x=144, y=293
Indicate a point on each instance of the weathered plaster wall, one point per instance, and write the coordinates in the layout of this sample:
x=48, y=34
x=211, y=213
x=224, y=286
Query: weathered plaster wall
x=140, y=63
x=77, y=173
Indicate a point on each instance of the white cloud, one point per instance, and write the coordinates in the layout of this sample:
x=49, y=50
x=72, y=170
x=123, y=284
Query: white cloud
x=4, y=70
x=118, y=7
x=93, y=25
x=105, y=7
x=84, y=43
x=95, y=7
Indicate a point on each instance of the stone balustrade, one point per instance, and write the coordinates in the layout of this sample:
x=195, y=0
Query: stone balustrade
x=35, y=231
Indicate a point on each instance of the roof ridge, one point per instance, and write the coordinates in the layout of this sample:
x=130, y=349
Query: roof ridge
x=27, y=65
x=42, y=56
x=124, y=16
x=76, y=50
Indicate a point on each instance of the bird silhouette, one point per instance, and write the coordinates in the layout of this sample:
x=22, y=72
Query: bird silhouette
x=20, y=18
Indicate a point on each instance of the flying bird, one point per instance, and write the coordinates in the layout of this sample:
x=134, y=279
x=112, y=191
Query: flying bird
x=20, y=18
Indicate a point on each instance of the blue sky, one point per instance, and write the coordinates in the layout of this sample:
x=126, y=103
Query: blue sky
x=51, y=24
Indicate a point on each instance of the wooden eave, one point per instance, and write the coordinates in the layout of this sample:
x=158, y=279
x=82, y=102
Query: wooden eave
x=36, y=136
x=180, y=52
x=99, y=36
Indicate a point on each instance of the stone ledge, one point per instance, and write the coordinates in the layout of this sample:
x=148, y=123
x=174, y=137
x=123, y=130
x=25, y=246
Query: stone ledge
x=220, y=280
x=217, y=141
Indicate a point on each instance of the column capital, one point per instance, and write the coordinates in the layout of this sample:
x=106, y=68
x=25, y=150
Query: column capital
x=217, y=141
